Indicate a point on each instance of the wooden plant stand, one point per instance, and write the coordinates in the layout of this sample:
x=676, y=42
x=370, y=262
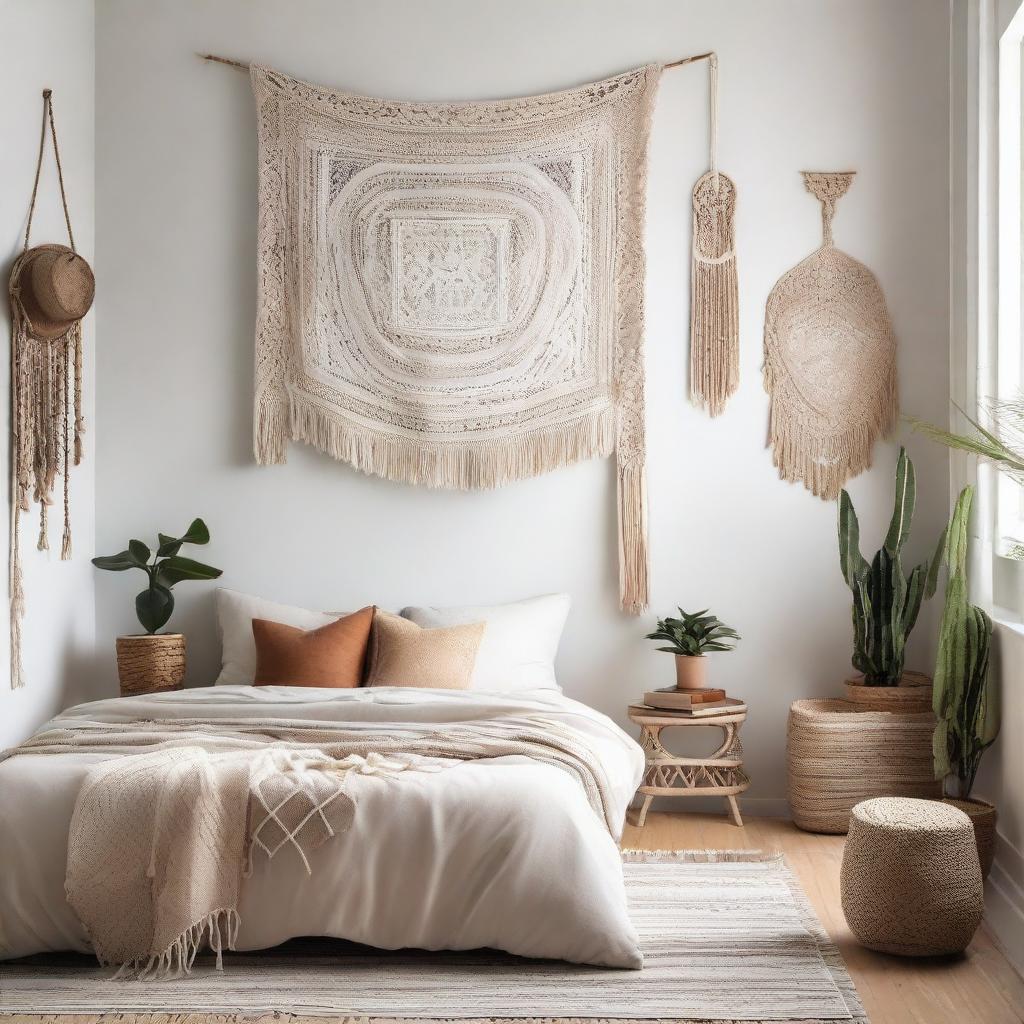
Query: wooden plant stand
x=718, y=774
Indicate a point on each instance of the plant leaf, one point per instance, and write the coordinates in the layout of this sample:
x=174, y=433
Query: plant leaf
x=175, y=569
x=197, y=533
x=153, y=606
x=140, y=552
x=117, y=563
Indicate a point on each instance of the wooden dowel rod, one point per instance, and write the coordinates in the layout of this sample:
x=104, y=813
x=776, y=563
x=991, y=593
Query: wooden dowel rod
x=242, y=65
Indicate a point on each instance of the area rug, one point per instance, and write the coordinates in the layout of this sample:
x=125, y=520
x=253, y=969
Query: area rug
x=726, y=936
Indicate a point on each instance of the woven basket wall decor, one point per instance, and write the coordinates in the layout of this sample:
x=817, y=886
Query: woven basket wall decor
x=838, y=755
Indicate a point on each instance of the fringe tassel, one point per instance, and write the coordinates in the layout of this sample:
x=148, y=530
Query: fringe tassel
x=219, y=931
x=635, y=856
x=458, y=467
x=632, y=497
x=824, y=462
x=714, y=294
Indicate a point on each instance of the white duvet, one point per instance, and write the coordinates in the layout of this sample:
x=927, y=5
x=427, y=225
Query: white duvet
x=505, y=853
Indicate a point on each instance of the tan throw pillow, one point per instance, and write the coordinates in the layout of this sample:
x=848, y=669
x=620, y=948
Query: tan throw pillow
x=333, y=655
x=404, y=654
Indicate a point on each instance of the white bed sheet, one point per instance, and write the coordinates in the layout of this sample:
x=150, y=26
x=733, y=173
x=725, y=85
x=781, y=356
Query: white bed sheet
x=504, y=853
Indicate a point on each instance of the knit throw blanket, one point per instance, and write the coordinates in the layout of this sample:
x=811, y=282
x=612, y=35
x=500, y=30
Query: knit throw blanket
x=451, y=294
x=165, y=829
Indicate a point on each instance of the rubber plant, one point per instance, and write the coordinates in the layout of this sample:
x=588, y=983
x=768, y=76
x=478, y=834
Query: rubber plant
x=963, y=696
x=165, y=568
x=886, y=602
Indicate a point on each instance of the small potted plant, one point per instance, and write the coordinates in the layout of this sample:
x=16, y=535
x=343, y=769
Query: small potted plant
x=886, y=603
x=690, y=638
x=963, y=698
x=152, y=661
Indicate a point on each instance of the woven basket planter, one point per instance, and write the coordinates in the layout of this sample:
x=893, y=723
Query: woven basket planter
x=839, y=754
x=913, y=694
x=149, y=663
x=983, y=817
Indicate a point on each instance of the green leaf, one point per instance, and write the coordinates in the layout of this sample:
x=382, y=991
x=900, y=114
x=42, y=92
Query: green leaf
x=175, y=569
x=168, y=545
x=153, y=606
x=197, y=533
x=117, y=563
x=139, y=551
x=903, y=505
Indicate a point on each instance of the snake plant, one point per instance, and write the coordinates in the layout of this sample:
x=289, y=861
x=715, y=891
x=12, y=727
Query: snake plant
x=694, y=634
x=154, y=605
x=886, y=602
x=963, y=696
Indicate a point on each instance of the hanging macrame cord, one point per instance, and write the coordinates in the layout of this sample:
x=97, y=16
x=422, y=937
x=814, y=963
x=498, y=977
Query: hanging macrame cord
x=50, y=286
x=714, y=301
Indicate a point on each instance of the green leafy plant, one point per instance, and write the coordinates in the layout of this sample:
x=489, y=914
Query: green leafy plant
x=886, y=602
x=963, y=696
x=694, y=634
x=154, y=605
x=1003, y=446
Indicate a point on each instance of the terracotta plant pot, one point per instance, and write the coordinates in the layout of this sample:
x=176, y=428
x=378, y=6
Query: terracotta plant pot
x=149, y=663
x=913, y=694
x=690, y=674
x=983, y=817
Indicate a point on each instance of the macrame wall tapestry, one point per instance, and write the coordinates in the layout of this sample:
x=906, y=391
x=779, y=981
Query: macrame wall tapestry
x=714, y=291
x=51, y=289
x=830, y=360
x=451, y=294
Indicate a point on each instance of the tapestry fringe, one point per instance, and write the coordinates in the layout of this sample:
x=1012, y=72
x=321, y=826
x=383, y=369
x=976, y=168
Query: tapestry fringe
x=823, y=463
x=633, y=564
x=482, y=465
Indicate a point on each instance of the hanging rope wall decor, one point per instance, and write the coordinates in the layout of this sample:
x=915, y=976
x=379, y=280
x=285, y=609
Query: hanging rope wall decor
x=51, y=289
x=714, y=301
x=829, y=359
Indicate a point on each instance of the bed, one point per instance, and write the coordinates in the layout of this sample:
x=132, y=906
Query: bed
x=501, y=852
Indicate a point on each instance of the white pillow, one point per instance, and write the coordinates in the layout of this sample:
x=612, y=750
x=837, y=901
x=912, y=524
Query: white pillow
x=235, y=613
x=518, y=648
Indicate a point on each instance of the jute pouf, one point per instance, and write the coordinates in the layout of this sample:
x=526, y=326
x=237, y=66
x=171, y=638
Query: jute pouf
x=839, y=753
x=910, y=881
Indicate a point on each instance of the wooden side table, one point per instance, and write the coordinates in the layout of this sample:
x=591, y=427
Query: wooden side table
x=718, y=774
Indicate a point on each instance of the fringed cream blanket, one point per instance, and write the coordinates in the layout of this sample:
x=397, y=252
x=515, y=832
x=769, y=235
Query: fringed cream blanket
x=451, y=294
x=164, y=827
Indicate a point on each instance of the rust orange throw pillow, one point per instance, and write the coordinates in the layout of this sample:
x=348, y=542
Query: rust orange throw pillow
x=332, y=655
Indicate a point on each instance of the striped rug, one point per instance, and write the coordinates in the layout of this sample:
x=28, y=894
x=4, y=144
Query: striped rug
x=726, y=936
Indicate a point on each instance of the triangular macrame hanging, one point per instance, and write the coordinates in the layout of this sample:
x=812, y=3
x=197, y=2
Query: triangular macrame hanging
x=714, y=301
x=830, y=359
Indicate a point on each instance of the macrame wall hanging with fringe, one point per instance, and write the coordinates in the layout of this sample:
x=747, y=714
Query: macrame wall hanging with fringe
x=51, y=289
x=830, y=359
x=714, y=290
x=452, y=294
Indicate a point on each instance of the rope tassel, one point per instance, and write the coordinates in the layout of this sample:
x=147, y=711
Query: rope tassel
x=714, y=288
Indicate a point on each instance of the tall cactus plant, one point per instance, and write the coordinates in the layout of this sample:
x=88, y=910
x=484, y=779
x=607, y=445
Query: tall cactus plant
x=963, y=697
x=886, y=602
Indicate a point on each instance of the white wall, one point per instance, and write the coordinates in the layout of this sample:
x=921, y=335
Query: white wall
x=818, y=84
x=48, y=43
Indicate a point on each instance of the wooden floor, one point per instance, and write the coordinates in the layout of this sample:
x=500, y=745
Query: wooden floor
x=980, y=988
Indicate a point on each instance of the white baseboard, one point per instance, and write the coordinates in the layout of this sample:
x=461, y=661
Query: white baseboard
x=1004, y=902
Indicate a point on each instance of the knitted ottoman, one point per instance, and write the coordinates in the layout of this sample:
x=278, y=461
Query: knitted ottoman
x=910, y=881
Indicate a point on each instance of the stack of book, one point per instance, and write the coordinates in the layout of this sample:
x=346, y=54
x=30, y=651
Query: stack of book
x=693, y=703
